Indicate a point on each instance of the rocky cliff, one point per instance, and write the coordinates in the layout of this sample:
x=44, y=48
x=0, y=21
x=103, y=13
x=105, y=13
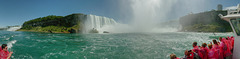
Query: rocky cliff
x=208, y=21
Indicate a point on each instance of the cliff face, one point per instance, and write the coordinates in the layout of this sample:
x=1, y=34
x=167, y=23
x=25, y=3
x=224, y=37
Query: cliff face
x=205, y=22
x=56, y=24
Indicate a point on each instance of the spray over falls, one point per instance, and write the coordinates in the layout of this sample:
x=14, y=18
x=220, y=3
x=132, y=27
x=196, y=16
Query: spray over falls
x=14, y=28
x=96, y=23
x=156, y=15
x=149, y=15
x=145, y=17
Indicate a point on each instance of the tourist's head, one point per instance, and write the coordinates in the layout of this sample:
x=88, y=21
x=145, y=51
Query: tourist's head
x=173, y=56
x=4, y=47
x=186, y=53
x=194, y=44
x=210, y=46
x=220, y=38
x=204, y=45
x=215, y=41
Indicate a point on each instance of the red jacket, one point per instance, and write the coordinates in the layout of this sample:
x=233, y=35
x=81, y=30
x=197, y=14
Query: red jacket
x=4, y=54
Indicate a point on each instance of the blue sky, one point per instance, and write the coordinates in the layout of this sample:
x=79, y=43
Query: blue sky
x=16, y=12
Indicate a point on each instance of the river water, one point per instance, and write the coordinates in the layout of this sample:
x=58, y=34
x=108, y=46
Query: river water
x=33, y=45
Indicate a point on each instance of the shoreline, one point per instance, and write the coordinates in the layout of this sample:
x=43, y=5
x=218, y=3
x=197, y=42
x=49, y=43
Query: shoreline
x=205, y=32
x=42, y=31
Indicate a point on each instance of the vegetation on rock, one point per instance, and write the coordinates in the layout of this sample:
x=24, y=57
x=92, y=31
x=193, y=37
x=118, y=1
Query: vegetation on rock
x=55, y=24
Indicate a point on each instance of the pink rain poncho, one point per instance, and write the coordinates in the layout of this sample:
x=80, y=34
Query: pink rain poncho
x=197, y=50
x=232, y=42
x=4, y=54
x=226, y=48
x=212, y=54
x=204, y=52
x=218, y=50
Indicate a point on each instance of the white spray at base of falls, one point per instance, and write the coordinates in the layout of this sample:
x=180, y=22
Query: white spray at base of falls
x=98, y=22
x=149, y=15
x=101, y=24
x=14, y=28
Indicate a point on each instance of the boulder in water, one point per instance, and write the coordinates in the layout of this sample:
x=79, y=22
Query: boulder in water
x=93, y=31
x=105, y=32
x=72, y=31
x=50, y=31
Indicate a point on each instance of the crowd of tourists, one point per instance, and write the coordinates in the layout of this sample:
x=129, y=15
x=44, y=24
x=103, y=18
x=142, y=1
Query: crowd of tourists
x=221, y=49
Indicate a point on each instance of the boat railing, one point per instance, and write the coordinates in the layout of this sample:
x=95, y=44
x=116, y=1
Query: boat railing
x=236, y=11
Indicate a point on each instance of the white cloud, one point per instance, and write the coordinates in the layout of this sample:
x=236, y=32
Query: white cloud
x=231, y=7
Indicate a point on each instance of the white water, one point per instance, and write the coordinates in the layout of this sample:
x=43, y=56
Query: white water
x=147, y=15
x=10, y=44
x=13, y=28
x=98, y=22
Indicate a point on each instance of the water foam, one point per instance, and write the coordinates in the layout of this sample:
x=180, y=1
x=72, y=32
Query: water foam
x=10, y=44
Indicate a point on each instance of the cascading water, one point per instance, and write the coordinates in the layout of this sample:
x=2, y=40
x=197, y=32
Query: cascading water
x=14, y=28
x=98, y=22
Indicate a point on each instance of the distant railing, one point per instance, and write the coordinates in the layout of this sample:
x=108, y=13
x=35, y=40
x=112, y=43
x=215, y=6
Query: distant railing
x=231, y=11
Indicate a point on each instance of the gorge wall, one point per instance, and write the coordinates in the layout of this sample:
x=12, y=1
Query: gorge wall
x=208, y=21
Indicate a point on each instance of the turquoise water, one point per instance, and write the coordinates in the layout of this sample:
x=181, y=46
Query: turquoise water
x=32, y=45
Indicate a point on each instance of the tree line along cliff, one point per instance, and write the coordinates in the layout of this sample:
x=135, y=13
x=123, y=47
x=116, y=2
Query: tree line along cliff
x=56, y=24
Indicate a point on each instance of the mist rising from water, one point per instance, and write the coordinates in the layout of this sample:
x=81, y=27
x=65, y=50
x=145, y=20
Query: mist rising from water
x=149, y=15
x=145, y=14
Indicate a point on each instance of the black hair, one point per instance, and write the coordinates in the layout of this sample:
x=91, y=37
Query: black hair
x=215, y=41
x=220, y=38
x=4, y=45
x=204, y=44
x=189, y=50
x=195, y=43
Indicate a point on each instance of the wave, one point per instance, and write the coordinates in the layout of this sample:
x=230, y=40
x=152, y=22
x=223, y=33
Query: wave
x=10, y=44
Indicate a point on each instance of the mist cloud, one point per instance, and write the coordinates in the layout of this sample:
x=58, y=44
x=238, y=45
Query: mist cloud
x=145, y=15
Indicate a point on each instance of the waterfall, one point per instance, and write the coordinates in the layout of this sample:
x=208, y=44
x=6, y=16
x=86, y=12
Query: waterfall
x=97, y=22
x=14, y=28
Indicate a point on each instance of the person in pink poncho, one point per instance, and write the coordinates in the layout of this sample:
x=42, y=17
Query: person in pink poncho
x=232, y=42
x=204, y=51
x=225, y=48
x=4, y=54
x=173, y=56
x=217, y=48
x=212, y=54
x=196, y=49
